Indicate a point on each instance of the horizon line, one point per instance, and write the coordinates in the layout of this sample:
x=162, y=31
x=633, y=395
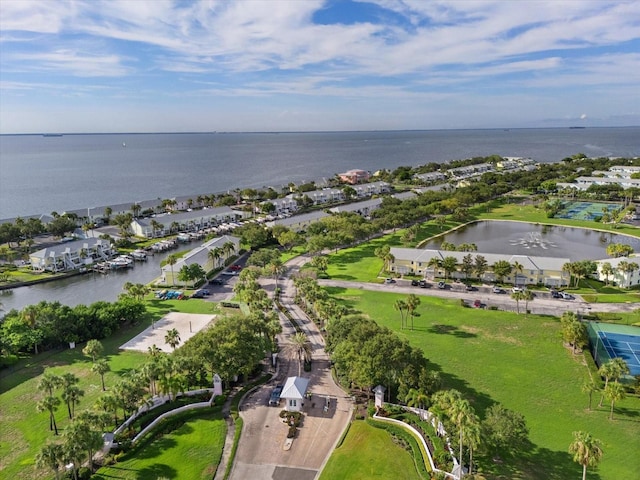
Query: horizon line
x=231, y=132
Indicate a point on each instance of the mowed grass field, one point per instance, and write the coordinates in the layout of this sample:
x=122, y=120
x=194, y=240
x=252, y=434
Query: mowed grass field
x=23, y=430
x=519, y=361
x=368, y=452
x=191, y=451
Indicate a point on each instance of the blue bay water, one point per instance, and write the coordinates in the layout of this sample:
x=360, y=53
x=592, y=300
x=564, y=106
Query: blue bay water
x=43, y=174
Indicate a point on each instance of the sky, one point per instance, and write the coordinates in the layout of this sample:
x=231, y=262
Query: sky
x=316, y=65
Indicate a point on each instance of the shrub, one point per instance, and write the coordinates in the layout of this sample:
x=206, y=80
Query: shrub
x=292, y=432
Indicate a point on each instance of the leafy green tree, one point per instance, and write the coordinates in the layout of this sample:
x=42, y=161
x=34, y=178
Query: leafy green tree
x=417, y=398
x=93, y=349
x=504, y=430
x=320, y=263
x=481, y=266
x=501, y=269
x=586, y=450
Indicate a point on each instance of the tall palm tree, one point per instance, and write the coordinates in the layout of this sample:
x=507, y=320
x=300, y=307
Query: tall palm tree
x=215, y=254
x=606, y=270
x=401, y=306
x=413, y=302
x=51, y=455
x=614, y=392
x=586, y=450
x=589, y=387
x=101, y=367
x=302, y=347
x=461, y=414
x=228, y=248
x=527, y=296
x=449, y=265
x=172, y=338
x=49, y=382
x=436, y=264
x=71, y=395
x=172, y=260
x=50, y=404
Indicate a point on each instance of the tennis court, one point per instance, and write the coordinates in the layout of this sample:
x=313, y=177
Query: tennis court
x=610, y=341
x=585, y=210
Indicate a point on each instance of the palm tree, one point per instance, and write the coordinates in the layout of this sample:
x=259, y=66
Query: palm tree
x=413, y=302
x=449, y=265
x=215, y=254
x=101, y=367
x=436, y=264
x=172, y=338
x=51, y=455
x=50, y=404
x=71, y=394
x=302, y=347
x=517, y=296
x=228, y=248
x=401, y=306
x=48, y=382
x=614, y=392
x=606, y=270
x=589, y=387
x=417, y=398
x=517, y=268
x=481, y=266
x=93, y=349
x=172, y=260
x=612, y=371
x=527, y=296
x=586, y=450
x=461, y=414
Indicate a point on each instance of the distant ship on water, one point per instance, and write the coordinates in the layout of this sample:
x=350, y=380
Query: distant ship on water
x=51, y=134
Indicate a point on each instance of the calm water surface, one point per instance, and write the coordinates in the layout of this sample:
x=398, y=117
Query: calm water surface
x=519, y=238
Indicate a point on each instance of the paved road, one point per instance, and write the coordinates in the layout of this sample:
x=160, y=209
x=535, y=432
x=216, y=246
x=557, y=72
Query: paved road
x=261, y=454
x=542, y=304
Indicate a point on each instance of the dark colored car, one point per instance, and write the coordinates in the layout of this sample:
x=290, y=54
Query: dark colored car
x=423, y=284
x=201, y=293
x=470, y=288
x=216, y=281
x=442, y=285
x=415, y=283
x=274, y=399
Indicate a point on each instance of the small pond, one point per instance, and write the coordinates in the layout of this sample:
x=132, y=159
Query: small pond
x=519, y=238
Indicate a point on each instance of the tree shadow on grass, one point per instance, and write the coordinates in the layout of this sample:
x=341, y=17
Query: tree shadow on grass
x=447, y=330
x=158, y=470
x=153, y=447
x=554, y=465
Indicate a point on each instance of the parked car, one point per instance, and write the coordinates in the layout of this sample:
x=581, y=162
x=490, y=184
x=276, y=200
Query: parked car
x=567, y=296
x=389, y=280
x=556, y=295
x=477, y=304
x=498, y=290
x=442, y=285
x=201, y=293
x=470, y=288
x=216, y=281
x=274, y=399
x=415, y=283
x=423, y=283
x=235, y=268
x=518, y=289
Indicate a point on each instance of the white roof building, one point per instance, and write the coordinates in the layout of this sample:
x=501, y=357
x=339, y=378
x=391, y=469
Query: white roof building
x=293, y=393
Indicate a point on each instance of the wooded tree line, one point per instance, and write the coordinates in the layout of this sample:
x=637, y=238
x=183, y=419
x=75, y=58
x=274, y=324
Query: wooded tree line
x=48, y=325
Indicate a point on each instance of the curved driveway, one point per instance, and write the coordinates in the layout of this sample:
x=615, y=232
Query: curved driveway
x=261, y=452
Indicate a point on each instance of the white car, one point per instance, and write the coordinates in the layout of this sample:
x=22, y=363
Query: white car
x=518, y=289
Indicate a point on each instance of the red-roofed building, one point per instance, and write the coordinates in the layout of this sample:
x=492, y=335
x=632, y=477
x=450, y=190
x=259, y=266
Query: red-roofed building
x=355, y=176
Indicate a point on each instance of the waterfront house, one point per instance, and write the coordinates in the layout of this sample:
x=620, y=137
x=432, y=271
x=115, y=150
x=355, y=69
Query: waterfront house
x=355, y=176
x=71, y=256
x=183, y=221
x=535, y=270
x=201, y=256
x=622, y=277
x=299, y=223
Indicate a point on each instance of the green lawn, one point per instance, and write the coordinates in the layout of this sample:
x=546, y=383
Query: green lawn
x=23, y=430
x=519, y=361
x=368, y=452
x=192, y=451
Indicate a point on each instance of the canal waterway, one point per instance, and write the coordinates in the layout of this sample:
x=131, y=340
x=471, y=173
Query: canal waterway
x=521, y=238
x=88, y=288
